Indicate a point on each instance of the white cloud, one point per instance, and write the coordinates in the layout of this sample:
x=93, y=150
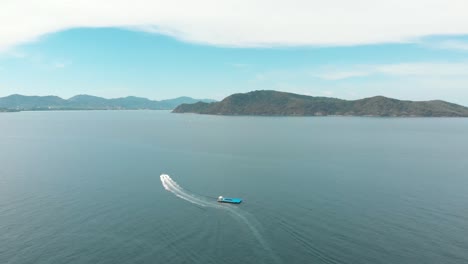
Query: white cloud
x=240, y=65
x=451, y=44
x=431, y=69
x=341, y=74
x=327, y=93
x=241, y=22
x=18, y=54
x=13, y=54
x=60, y=65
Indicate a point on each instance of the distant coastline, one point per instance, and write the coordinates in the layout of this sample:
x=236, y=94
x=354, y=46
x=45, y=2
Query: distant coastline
x=5, y=110
x=256, y=103
x=16, y=103
x=274, y=103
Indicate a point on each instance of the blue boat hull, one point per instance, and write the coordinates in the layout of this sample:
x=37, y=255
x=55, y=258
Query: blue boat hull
x=229, y=200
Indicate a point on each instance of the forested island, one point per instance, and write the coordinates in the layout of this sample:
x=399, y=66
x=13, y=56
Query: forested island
x=274, y=103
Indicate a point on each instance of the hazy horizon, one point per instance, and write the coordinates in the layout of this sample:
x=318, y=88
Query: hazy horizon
x=80, y=94
x=208, y=98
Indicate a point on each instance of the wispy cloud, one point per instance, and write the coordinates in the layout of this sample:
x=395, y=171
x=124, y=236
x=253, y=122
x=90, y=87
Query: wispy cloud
x=240, y=65
x=61, y=64
x=298, y=22
x=18, y=54
x=450, y=44
x=399, y=69
x=410, y=80
x=341, y=74
x=14, y=53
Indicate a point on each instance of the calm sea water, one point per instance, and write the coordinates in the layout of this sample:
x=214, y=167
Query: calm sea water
x=84, y=187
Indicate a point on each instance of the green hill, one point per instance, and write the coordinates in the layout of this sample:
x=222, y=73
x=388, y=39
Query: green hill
x=89, y=102
x=273, y=103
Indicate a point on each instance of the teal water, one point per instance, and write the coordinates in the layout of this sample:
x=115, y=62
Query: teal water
x=85, y=187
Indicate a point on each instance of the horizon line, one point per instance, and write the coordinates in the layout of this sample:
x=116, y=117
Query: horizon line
x=216, y=100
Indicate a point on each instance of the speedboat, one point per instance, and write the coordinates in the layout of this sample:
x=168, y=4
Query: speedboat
x=222, y=199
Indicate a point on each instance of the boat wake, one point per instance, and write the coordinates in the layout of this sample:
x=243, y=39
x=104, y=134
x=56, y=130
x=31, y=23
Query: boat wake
x=170, y=185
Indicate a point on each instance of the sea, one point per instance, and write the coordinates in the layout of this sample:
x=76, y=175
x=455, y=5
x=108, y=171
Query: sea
x=141, y=187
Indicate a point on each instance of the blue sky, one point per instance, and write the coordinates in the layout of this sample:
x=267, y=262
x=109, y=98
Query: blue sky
x=160, y=59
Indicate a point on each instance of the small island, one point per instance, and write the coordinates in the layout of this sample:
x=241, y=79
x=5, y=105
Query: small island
x=274, y=103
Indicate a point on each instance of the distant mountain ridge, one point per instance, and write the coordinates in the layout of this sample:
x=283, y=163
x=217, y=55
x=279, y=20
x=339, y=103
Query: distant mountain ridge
x=89, y=102
x=273, y=103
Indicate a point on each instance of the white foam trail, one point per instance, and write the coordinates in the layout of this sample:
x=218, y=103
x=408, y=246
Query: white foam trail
x=170, y=185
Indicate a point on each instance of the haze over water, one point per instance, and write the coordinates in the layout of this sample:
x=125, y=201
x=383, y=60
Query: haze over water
x=85, y=187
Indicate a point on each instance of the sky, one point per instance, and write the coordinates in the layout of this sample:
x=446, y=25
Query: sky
x=347, y=49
